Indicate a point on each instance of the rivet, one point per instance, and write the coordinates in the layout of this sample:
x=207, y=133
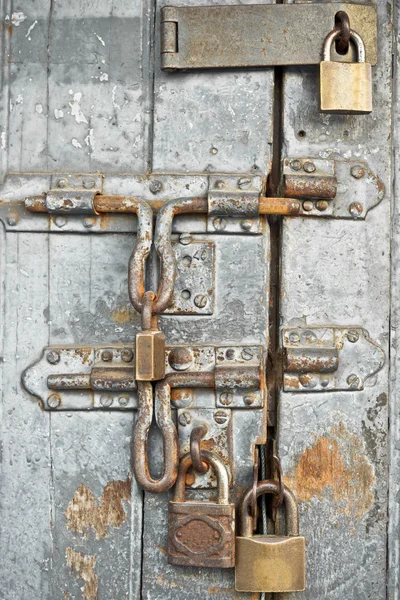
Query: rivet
x=60, y=221
x=200, y=300
x=185, y=419
x=89, y=222
x=219, y=223
x=244, y=183
x=226, y=398
x=324, y=382
x=294, y=337
x=355, y=209
x=246, y=225
x=88, y=184
x=155, y=186
x=357, y=172
x=106, y=355
x=353, y=336
x=247, y=354
x=307, y=381
x=123, y=401
x=180, y=359
x=106, y=400
x=296, y=164
x=185, y=239
x=230, y=354
x=53, y=401
x=309, y=337
x=309, y=167
x=353, y=381
x=249, y=399
x=127, y=355
x=321, y=205
x=62, y=183
x=308, y=205
x=53, y=357
x=213, y=150
x=219, y=185
x=12, y=220
x=221, y=417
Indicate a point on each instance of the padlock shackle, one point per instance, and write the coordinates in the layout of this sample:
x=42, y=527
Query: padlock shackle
x=219, y=469
x=289, y=501
x=334, y=35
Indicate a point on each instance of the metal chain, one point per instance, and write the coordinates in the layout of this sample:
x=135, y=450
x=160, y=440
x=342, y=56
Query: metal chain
x=343, y=24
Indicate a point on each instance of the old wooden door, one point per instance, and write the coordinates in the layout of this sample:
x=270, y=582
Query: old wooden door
x=85, y=105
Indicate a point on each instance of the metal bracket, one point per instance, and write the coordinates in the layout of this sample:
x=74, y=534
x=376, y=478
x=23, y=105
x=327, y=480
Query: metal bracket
x=257, y=35
x=331, y=188
x=323, y=359
x=87, y=378
x=233, y=204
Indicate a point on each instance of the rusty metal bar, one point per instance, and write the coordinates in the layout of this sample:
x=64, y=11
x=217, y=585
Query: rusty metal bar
x=279, y=206
x=311, y=360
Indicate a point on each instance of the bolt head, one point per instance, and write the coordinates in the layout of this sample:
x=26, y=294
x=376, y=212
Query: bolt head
x=60, y=221
x=249, y=399
x=123, y=401
x=246, y=224
x=307, y=381
x=294, y=337
x=180, y=359
x=89, y=222
x=244, y=183
x=219, y=185
x=185, y=239
x=155, y=186
x=324, y=382
x=308, y=205
x=226, y=398
x=53, y=401
x=321, y=205
x=247, y=354
x=88, y=184
x=12, y=220
x=62, y=183
x=201, y=300
x=353, y=336
x=53, y=357
x=309, y=167
x=221, y=417
x=106, y=355
x=355, y=209
x=296, y=164
x=230, y=354
x=185, y=419
x=106, y=400
x=357, y=171
x=126, y=355
x=219, y=223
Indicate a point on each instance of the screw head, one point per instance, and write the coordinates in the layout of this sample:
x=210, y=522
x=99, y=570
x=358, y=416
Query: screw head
x=230, y=354
x=106, y=400
x=321, y=205
x=296, y=164
x=353, y=381
x=309, y=337
x=244, y=183
x=123, y=401
x=309, y=167
x=60, y=221
x=180, y=359
x=106, y=355
x=355, y=209
x=89, y=222
x=219, y=223
x=201, y=300
x=221, y=417
x=353, y=336
x=294, y=337
x=88, y=184
x=219, y=185
x=53, y=357
x=226, y=398
x=249, y=399
x=62, y=183
x=246, y=224
x=185, y=239
x=357, y=171
x=155, y=186
x=12, y=220
x=247, y=354
x=53, y=401
x=126, y=355
x=185, y=419
x=308, y=205
x=324, y=382
x=307, y=381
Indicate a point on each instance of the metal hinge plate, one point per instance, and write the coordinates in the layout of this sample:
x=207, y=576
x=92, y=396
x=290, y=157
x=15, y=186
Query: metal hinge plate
x=257, y=35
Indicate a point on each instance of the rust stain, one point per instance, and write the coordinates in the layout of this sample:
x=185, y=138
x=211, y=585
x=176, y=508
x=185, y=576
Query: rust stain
x=336, y=466
x=163, y=550
x=82, y=566
x=122, y=315
x=66, y=596
x=84, y=512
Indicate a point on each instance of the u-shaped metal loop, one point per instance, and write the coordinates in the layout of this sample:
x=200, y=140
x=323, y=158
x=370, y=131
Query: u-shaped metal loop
x=141, y=432
x=289, y=501
x=141, y=251
x=219, y=469
x=334, y=35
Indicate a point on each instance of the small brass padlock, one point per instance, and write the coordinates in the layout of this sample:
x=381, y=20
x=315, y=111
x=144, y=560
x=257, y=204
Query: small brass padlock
x=150, y=344
x=345, y=87
x=270, y=563
x=202, y=534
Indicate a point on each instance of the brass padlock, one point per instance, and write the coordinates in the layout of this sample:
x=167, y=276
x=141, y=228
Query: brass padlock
x=202, y=534
x=345, y=87
x=150, y=344
x=270, y=563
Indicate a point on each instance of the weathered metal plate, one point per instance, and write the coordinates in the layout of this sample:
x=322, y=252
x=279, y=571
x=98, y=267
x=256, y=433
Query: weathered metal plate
x=204, y=37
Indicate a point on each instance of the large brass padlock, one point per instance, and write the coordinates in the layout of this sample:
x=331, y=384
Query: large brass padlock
x=202, y=534
x=270, y=563
x=345, y=87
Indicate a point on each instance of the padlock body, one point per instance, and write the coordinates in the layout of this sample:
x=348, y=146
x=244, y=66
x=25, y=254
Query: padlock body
x=269, y=563
x=201, y=534
x=345, y=87
x=150, y=355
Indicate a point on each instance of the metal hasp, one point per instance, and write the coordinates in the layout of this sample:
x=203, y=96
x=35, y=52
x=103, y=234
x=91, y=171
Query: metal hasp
x=318, y=359
x=256, y=35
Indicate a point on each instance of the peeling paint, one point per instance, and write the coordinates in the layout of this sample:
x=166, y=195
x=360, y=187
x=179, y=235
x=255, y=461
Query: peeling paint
x=337, y=467
x=84, y=512
x=59, y=114
x=75, y=143
x=17, y=18
x=3, y=138
x=39, y=108
x=122, y=315
x=82, y=566
x=31, y=28
x=102, y=42
x=76, y=110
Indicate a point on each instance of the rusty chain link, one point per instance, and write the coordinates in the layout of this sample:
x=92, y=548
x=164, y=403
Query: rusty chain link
x=343, y=25
x=197, y=434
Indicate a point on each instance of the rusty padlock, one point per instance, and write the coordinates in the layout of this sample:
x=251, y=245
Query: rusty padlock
x=270, y=563
x=202, y=534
